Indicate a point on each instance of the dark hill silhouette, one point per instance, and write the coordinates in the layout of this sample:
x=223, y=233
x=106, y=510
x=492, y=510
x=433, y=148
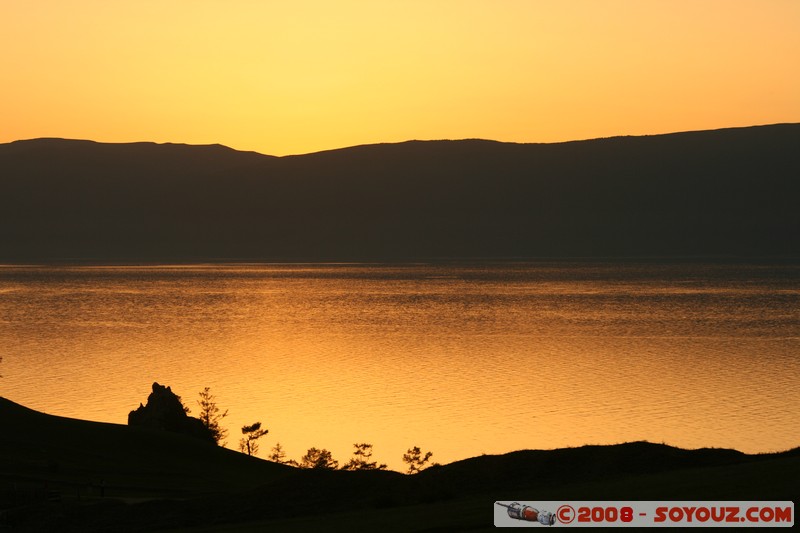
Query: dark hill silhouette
x=53, y=469
x=724, y=192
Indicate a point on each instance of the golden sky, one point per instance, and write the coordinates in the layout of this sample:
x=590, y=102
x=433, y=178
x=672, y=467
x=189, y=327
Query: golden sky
x=297, y=76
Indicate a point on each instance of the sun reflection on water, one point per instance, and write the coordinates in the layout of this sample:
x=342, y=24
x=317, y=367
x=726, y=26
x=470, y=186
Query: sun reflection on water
x=457, y=359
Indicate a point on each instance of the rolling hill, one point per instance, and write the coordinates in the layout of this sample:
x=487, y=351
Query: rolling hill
x=728, y=192
x=74, y=475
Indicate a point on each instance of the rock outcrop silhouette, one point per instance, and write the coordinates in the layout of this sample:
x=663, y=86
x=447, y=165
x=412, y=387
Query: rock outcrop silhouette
x=164, y=410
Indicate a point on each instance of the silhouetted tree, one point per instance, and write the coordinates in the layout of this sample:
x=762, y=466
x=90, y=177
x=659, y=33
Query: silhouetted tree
x=361, y=459
x=415, y=460
x=210, y=416
x=315, y=458
x=279, y=456
x=248, y=444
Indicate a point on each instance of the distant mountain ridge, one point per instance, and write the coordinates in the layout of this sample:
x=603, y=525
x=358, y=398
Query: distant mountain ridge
x=729, y=192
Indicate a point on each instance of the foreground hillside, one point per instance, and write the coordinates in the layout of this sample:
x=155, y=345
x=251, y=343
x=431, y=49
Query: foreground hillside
x=727, y=192
x=73, y=475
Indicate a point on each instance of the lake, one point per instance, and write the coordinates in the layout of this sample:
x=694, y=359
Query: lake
x=458, y=359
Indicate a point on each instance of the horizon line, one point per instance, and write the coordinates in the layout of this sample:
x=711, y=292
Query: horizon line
x=407, y=141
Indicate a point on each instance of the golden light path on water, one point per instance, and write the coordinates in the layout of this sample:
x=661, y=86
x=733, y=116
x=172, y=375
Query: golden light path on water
x=457, y=359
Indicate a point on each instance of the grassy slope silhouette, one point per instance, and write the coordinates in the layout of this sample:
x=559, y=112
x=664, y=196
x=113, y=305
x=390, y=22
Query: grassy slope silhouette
x=158, y=480
x=724, y=192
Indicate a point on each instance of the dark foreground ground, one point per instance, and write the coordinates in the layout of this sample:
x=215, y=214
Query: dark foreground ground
x=59, y=474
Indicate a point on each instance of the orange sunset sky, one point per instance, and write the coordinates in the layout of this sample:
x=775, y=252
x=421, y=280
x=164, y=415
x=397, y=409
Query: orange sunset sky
x=297, y=76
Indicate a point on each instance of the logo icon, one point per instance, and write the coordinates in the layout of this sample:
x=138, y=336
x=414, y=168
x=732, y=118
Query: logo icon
x=528, y=513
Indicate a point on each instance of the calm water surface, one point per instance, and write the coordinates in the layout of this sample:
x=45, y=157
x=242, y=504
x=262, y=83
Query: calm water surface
x=457, y=359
